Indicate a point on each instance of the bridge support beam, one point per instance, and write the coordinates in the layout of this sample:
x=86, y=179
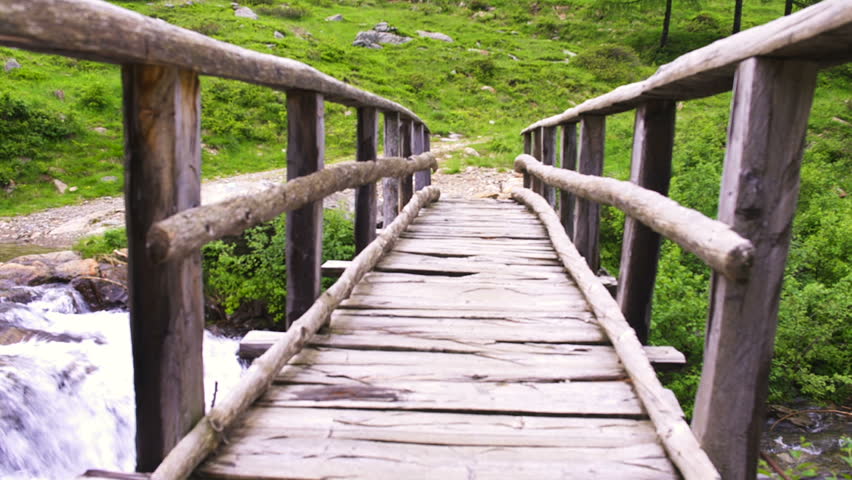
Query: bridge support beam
x=760, y=185
x=651, y=168
x=390, y=186
x=162, y=113
x=406, y=183
x=587, y=214
x=423, y=178
x=305, y=155
x=536, y=184
x=569, y=162
x=548, y=157
x=528, y=151
x=365, y=196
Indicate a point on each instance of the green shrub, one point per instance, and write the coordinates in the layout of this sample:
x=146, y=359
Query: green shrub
x=105, y=244
x=252, y=267
x=284, y=11
x=95, y=96
x=612, y=63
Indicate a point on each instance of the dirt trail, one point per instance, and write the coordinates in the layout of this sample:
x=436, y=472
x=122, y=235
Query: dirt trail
x=61, y=227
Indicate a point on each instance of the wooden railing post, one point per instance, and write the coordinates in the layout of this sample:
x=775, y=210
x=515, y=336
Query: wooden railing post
x=365, y=196
x=528, y=151
x=406, y=183
x=587, y=214
x=760, y=184
x=651, y=168
x=423, y=178
x=305, y=155
x=548, y=157
x=569, y=162
x=390, y=186
x=536, y=184
x=162, y=119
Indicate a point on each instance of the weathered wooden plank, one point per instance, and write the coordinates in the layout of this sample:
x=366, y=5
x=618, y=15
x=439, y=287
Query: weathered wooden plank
x=405, y=262
x=760, y=186
x=448, y=428
x=570, y=398
x=257, y=341
x=489, y=280
x=336, y=366
x=651, y=167
x=587, y=216
x=365, y=196
x=530, y=317
x=472, y=294
x=528, y=150
x=493, y=232
x=333, y=268
x=551, y=303
x=406, y=183
x=162, y=113
x=305, y=155
x=535, y=184
x=569, y=162
x=390, y=185
x=277, y=456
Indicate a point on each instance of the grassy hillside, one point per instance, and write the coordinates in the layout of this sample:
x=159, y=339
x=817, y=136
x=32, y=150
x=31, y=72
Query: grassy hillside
x=60, y=119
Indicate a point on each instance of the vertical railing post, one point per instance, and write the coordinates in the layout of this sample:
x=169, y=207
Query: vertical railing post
x=651, y=168
x=528, y=151
x=305, y=155
x=365, y=196
x=406, y=183
x=587, y=214
x=548, y=157
x=535, y=184
x=760, y=185
x=423, y=178
x=569, y=162
x=390, y=186
x=162, y=131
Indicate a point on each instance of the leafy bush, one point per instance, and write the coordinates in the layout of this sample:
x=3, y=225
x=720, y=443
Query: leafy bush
x=252, y=267
x=612, y=63
x=105, y=244
x=95, y=96
x=285, y=11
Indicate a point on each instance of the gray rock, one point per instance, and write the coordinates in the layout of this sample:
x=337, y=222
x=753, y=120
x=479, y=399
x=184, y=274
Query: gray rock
x=12, y=64
x=278, y=34
x=435, y=36
x=374, y=39
x=335, y=18
x=245, y=12
x=470, y=152
x=384, y=27
x=60, y=186
x=488, y=88
x=109, y=178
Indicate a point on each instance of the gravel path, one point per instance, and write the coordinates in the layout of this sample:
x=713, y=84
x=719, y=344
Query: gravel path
x=61, y=227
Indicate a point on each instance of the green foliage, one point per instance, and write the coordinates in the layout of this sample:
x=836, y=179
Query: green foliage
x=26, y=128
x=612, y=63
x=97, y=245
x=252, y=267
x=284, y=11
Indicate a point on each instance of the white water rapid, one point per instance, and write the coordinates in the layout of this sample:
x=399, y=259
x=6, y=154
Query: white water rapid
x=66, y=394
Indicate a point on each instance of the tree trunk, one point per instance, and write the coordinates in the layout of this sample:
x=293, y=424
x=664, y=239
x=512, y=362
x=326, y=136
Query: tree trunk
x=738, y=15
x=667, y=20
x=788, y=7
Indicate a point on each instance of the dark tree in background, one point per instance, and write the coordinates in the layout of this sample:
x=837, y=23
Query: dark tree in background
x=667, y=20
x=738, y=15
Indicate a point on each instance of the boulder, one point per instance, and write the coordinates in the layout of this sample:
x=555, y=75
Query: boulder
x=12, y=64
x=334, y=18
x=14, y=274
x=107, y=291
x=245, y=12
x=61, y=187
x=278, y=34
x=435, y=36
x=374, y=39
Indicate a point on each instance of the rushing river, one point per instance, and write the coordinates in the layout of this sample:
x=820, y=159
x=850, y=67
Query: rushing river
x=66, y=397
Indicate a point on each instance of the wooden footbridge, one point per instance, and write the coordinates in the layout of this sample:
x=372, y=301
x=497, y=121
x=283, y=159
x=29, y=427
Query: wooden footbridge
x=468, y=339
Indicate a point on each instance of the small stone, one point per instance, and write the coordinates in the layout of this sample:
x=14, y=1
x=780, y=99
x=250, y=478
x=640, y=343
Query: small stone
x=100, y=130
x=278, y=34
x=347, y=113
x=470, y=152
x=384, y=27
x=12, y=64
x=513, y=57
x=334, y=18
x=109, y=178
x=569, y=53
x=60, y=187
x=169, y=5
x=245, y=12
x=491, y=122
x=488, y=88
x=59, y=94
x=73, y=189
x=435, y=36
x=481, y=52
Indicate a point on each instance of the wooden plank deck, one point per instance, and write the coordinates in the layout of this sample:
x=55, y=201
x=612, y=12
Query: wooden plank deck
x=468, y=353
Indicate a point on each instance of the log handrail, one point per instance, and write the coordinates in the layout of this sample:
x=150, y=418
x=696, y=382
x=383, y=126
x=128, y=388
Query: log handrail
x=207, y=433
x=190, y=229
x=104, y=32
x=711, y=240
x=660, y=403
x=815, y=33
